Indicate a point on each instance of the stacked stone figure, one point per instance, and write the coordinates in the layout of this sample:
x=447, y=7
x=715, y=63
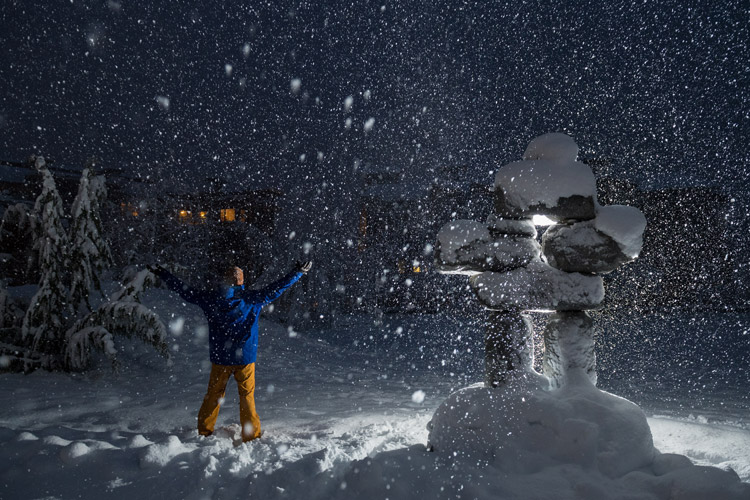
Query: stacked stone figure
x=512, y=274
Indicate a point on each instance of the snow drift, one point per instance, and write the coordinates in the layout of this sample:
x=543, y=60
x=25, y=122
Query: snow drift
x=521, y=441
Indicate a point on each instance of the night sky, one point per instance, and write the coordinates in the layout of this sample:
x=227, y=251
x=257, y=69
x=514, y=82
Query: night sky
x=658, y=88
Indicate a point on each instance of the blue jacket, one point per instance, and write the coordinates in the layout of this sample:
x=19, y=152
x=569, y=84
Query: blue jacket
x=232, y=314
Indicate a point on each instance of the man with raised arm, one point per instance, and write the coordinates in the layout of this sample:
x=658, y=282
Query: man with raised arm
x=232, y=313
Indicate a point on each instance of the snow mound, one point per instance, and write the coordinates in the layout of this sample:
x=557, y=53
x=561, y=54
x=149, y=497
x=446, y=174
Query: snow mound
x=160, y=454
x=576, y=438
x=554, y=146
x=139, y=441
x=524, y=431
x=55, y=441
x=623, y=224
x=26, y=436
x=73, y=451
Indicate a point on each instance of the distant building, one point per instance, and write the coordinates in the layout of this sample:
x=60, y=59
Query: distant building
x=217, y=203
x=688, y=257
x=399, y=217
x=258, y=207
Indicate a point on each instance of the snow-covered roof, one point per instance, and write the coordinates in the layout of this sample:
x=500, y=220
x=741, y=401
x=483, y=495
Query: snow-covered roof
x=223, y=186
x=14, y=174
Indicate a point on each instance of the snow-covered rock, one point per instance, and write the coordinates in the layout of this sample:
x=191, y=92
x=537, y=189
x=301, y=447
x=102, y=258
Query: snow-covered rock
x=509, y=349
x=466, y=247
x=600, y=245
x=548, y=181
x=569, y=345
x=538, y=286
x=460, y=233
x=581, y=248
x=517, y=227
x=623, y=224
x=73, y=451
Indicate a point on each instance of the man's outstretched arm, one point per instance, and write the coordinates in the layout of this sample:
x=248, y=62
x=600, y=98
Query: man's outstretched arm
x=277, y=288
x=176, y=285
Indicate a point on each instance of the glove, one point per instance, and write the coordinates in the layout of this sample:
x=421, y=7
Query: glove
x=304, y=266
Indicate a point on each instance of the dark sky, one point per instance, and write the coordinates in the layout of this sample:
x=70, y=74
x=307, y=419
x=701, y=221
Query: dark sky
x=659, y=87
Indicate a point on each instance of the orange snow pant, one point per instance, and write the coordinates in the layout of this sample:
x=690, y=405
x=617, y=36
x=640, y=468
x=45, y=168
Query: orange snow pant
x=217, y=384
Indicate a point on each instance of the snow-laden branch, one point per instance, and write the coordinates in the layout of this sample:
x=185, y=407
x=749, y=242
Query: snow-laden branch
x=81, y=343
x=122, y=316
x=97, y=330
x=132, y=291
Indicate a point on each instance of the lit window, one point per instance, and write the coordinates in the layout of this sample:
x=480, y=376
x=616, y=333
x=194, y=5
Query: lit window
x=227, y=214
x=185, y=216
x=129, y=208
x=401, y=266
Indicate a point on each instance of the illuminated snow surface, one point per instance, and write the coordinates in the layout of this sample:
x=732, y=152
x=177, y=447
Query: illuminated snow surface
x=345, y=419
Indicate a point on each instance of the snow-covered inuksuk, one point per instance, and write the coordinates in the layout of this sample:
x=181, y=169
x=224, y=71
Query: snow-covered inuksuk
x=511, y=273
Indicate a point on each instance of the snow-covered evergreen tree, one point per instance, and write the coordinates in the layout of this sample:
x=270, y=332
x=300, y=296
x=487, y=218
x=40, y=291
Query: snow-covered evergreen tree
x=10, y=316
x=44, y=322
x=97, y=197
x=123, y=316
x=17, y=232
x=4, y=301
x=55, y=338
x=90, y=254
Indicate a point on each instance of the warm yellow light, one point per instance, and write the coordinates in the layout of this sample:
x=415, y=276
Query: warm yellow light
x=203, y=215
x=183, y=213
x=227, y=214
x=416, y=269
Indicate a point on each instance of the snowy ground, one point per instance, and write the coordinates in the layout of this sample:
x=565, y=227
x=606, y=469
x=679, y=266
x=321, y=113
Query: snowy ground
x=326, y=398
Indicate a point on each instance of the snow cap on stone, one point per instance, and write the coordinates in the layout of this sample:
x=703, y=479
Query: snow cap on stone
x=554, y=146
x=623, y=224
x=39, y=162
x=548, y=181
